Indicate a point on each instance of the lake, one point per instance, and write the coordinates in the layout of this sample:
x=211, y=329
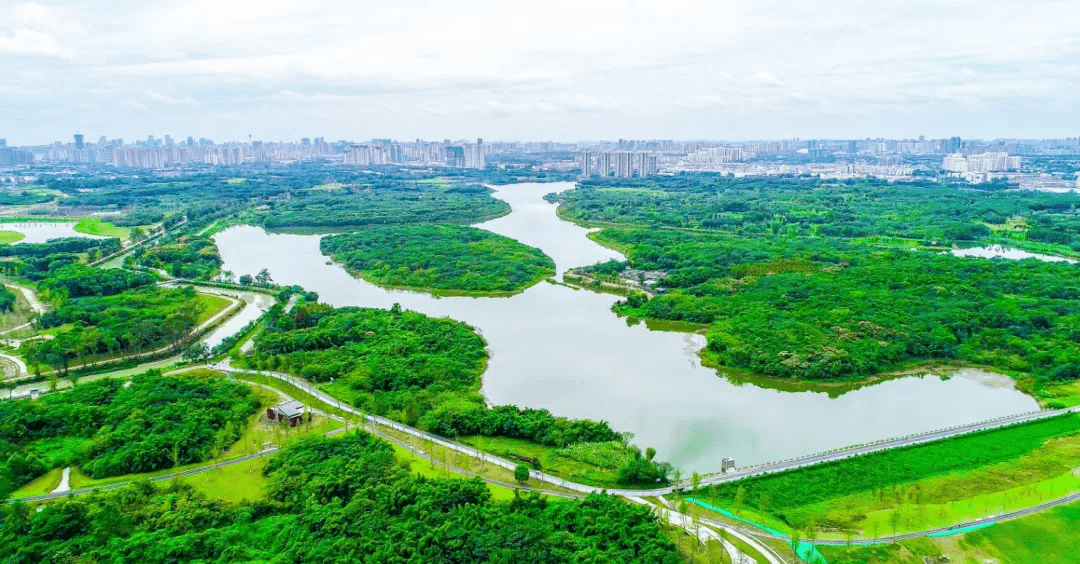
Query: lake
x=40, y=232
x=563, y=349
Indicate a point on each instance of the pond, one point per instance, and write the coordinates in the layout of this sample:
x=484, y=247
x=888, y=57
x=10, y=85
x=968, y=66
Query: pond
x=563, y=349
x=42, y=231
x=997, y=251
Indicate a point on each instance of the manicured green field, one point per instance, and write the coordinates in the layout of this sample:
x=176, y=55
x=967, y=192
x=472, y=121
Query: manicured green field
x=212, y=305
x=1046, y=538
x=95, y=226
x=236, y=483
x=42, y=485
x=935, y=483
x=7, y=237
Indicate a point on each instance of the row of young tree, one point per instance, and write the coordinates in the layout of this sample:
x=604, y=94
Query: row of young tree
x=336, y=500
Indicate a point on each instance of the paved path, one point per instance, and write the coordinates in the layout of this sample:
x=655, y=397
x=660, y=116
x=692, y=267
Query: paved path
x=715, y=479
x=31, y=297
x=704, y=534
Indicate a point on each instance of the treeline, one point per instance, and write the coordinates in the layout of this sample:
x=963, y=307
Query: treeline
x=154, y=423
x=76, y=281
x=24, y=198
x=34, y=261
x=536, y=425
x=810, y=308
x=343, y=500
x=439, y=257
x=7, y=299
x=400, y=203
x=921, y=211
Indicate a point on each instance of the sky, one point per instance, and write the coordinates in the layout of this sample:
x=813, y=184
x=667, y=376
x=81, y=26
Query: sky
x=527, y=70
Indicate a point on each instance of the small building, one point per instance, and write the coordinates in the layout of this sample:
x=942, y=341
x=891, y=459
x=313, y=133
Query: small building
x=727, y=464
x=291, y=411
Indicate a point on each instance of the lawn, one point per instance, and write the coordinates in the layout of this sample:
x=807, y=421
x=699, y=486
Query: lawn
x=550, y=462
x=236, y=483
x=7, y=237
x=95, y=226
x=1045, y=538
x=912, y=551
x=44, y=484
x=1064, y=395
x=915, y=488
x=212, y=305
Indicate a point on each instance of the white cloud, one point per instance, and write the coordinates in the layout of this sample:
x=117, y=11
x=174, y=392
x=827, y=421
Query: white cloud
x=30, y=42
x=567, y=69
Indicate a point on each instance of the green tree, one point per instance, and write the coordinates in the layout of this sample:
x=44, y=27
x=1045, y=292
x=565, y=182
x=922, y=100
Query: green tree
x=521, y=473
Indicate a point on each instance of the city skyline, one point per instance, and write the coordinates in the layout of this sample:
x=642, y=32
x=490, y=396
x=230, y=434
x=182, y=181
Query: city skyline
x=562, y=71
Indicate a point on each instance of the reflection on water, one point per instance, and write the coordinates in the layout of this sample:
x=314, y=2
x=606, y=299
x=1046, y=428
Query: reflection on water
x=563, y=349
x=997, y=251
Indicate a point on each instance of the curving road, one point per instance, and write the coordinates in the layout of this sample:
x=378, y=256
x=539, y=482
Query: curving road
x=708, y=480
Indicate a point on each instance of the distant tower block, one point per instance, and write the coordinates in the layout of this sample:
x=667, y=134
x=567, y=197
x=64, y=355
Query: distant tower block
x=727, y=464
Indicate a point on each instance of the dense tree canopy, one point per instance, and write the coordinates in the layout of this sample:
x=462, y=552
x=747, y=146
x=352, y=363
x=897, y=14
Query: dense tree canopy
x=190, y=256
x=819, y=309
x=421, y=370
x=439, y=257
x=156, y=422
x=331, y=501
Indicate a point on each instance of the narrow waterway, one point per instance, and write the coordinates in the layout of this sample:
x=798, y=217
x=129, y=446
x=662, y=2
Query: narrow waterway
x=563, y=349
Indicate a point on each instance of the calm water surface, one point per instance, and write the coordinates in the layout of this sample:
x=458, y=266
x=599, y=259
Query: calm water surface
x=562, y=349
x=997, y=251
x=42, y=232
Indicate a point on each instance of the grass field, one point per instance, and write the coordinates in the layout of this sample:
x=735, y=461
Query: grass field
x=7, y=237
x=236, y=483
x=916, y=488
x=43, y=485
x=212, y=305
x=550, y=462
x=1065, y=395
x=95, y=226
x=1045, y=538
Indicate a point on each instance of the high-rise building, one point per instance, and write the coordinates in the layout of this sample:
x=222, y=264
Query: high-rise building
x=604, y=167
x=624, y=167
x=586, y=164
x=455, y=156
x=646, y=165
x=168, y=141
x=474, y=156
x=3, y=143
x=79, y=141
x=954, y=145
x=367, y=155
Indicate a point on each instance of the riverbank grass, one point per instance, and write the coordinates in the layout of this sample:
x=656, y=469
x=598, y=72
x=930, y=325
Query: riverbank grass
x=211, y=305
x=921, y=487
x=44, y=484
x=8, y=237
